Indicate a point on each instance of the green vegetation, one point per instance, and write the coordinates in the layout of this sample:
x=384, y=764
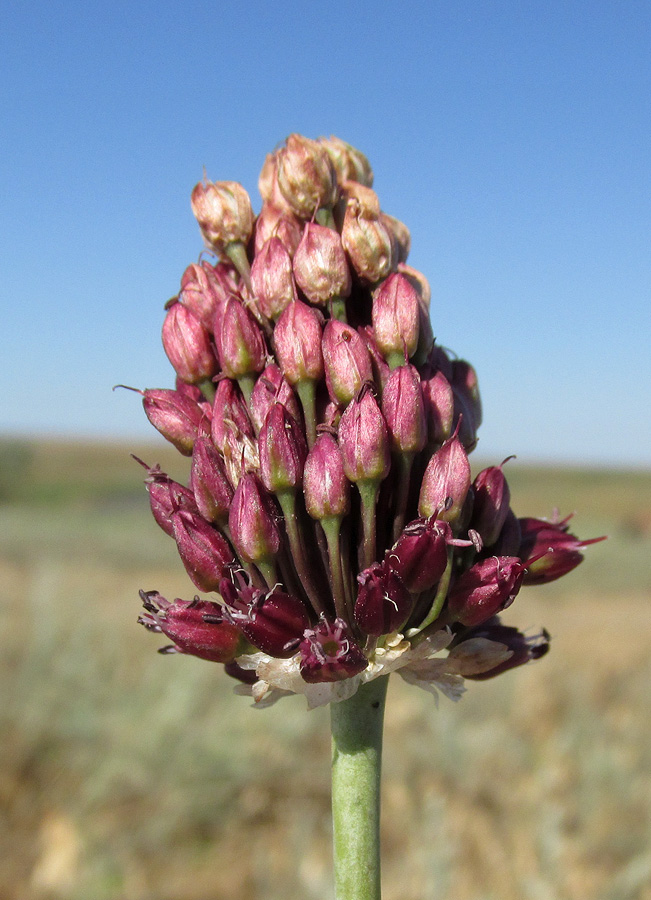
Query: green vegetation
x=129, y=776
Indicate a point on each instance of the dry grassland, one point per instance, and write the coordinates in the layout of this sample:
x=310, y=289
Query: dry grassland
x=128, y=776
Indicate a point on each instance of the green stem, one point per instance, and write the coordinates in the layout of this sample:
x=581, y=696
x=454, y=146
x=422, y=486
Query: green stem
x=236, y=252
x=324, y=217
x=287, y=500
x=307, y=395
x=368, y=491
x=356, y=766
x=208, y=389
x=331, y=528
x=404, y=464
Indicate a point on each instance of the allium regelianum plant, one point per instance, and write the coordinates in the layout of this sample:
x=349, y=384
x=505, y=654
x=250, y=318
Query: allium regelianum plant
x=331, y=518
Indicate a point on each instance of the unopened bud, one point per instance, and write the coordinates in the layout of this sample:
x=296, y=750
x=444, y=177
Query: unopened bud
x=283, y=450
x=272, y=387
x=485, y=589
x=187, y=345
x=210, y=486
x=364, y=439
x=420, y=554
x=325, y=486
x=383, y=602
x=396, y=318
x=254, y=521
x=204, y=290
x=297, y=337
x=346, y=359
x=176, y=416
x=402, y=405
x=272, y=278
x=205, y=552
x=242, y=348
x=276, y=222
x=350, y=164
x=446, y=483
x=491, y=503
x=438, y=402
x=230, y=413
x=400, y=234
x=320, y=265
x=368, y=243
x=306, y=176
x=223, y=211
x=552, y=551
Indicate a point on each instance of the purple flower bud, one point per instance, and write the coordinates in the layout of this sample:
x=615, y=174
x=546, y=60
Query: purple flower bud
x=523, y=649
x=350, y=164
x=346, y=360
x=241, y=344
x=320, y=265
x=272, y=278
x=283, y=449
x=254, y=521
x=297, y=337
x=204, y=290
x=275, y=221
x=272, y=387
x=166, y=497
x=420, y=554
x=367, y=242
x=329, y=653
x=204, y=550
x=491, y=504
x=176, y=416
x=326, y=488
x=306, y=176
x=210, y=486
x=273, y=622
x=381, y=369
x=402, y=405
x=438, y=402
x=223, y=211
x=465, y=383
x=400, y=234
x=396, y=318
x=418, y=282
x=383, y=602
x=548, y=550
x=184, y=623
x=446, y=482
x=187, y=345
x=485, y=589
x=230, y=414
x=464, y=420
x=364, y=439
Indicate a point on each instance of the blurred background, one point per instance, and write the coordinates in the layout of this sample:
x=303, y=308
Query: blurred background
x=514, y=141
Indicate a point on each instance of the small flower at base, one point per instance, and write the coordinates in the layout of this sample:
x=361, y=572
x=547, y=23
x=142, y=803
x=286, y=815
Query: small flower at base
x=383, y=602
x=325, y=486
x=329, y=653
x=176, y=416
x=183, y=622
x=203, y=549
x=223, y=211
x=420, y=555
x=346, y=360
x=548, y=550
x=523, y=648
x=485, y=589
x=320, y=265
x=274, y=622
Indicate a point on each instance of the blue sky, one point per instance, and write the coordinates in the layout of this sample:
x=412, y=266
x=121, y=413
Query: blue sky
x=513, y=138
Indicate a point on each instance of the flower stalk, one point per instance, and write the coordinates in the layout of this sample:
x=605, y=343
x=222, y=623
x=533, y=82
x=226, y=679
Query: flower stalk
x=357, y=725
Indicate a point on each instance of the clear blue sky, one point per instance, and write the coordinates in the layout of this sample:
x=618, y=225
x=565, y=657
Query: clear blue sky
x=513, y=138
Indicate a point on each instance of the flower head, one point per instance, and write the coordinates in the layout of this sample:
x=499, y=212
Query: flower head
x=330, y=511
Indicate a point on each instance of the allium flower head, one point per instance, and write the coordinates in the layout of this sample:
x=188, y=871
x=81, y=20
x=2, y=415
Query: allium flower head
x=330, y=512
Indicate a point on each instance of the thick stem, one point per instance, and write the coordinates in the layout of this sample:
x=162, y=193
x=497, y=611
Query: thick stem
x=307, y=395
x=356, y=766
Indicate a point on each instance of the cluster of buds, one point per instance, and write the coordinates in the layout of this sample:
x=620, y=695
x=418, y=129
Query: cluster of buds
x=330, y=511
